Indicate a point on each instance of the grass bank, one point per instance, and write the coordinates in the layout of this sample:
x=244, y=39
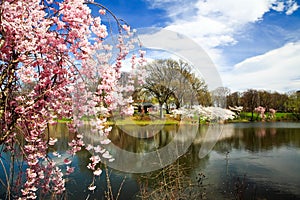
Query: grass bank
x=246, y=117
x=133, y=121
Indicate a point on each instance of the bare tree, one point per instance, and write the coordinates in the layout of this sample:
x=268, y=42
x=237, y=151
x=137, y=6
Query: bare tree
x=219, y=96
x=278, y=101
x=234, y=99
x=250, y=101
x=172, y=82
x=159, y=81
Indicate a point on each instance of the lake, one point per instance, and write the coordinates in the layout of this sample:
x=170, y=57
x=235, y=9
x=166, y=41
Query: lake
x=247, y=161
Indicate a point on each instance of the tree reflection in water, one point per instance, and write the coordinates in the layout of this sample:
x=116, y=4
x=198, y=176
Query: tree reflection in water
x=249, y=161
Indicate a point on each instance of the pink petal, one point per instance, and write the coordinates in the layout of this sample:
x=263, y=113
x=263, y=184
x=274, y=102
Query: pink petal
x=67, y=161
x=97, y=172
x=92, y=187
x=106, y=141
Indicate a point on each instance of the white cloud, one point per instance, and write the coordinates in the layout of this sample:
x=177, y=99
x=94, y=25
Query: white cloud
x=279, y=7
x=232, y=11
x=293, y=6
x=174, y=8
x=217, y=21
x=214, y=23
x=275, y=70
x=185, y=48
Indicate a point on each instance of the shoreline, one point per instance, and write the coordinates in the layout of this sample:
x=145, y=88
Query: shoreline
x=169, y=121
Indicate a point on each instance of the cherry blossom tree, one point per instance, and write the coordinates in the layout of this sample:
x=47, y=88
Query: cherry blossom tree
x=261, y=111
x=272, y=113
x=212, y=114
x=55, y=64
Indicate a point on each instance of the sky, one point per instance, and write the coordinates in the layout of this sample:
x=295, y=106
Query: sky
x=252, y=43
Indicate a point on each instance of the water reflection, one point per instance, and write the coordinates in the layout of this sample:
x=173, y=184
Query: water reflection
x=138, y=155
x=249, y=160
x=260, y=137
x=262, y=160
x=253, y=160
x=141, y=144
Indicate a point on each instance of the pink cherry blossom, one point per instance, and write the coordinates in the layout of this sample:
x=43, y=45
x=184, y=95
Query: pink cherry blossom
x=52, y=141
x=261, y=110
x=92, y=187
x=70, y=170
x=89, y=147
x=95, y=159
x=272, y=113
x=43, y=43
x=102, y=11
x=98, y=149
x=97, y=172
x=106, y=141
x=126, y=27
x=67, y=161
x=106, y=155
x=56, y=154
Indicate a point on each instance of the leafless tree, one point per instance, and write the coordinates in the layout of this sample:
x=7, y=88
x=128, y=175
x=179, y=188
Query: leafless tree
x=173, y=82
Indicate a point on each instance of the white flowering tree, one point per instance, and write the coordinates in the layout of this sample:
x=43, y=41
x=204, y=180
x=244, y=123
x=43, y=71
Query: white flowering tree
x=212, y=114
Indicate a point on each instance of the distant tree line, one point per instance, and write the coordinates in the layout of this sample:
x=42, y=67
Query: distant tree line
x=251, y=99
x=174, y=84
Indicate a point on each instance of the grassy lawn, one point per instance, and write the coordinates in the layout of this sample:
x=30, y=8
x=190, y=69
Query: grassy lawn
x=284, y=116
x=133, y=121
x=244, y=116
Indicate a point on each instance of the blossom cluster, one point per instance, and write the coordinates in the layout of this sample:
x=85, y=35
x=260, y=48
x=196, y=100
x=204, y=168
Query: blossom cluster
x=261, y=111
x=272, y=112
x=52, y=69
x=206, y=113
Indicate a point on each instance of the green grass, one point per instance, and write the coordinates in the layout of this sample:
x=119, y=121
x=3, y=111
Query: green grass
x=132, y=121
x=284, y=116
x=278, y=117
x=244, y=117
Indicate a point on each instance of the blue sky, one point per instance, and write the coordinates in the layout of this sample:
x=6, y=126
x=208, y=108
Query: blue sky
x=253, y=43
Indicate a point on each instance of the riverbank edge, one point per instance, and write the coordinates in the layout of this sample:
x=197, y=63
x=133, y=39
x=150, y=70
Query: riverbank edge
x=172, y=121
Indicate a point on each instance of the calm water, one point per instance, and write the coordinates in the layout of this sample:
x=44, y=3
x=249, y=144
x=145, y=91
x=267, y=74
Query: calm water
x=249, y=161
